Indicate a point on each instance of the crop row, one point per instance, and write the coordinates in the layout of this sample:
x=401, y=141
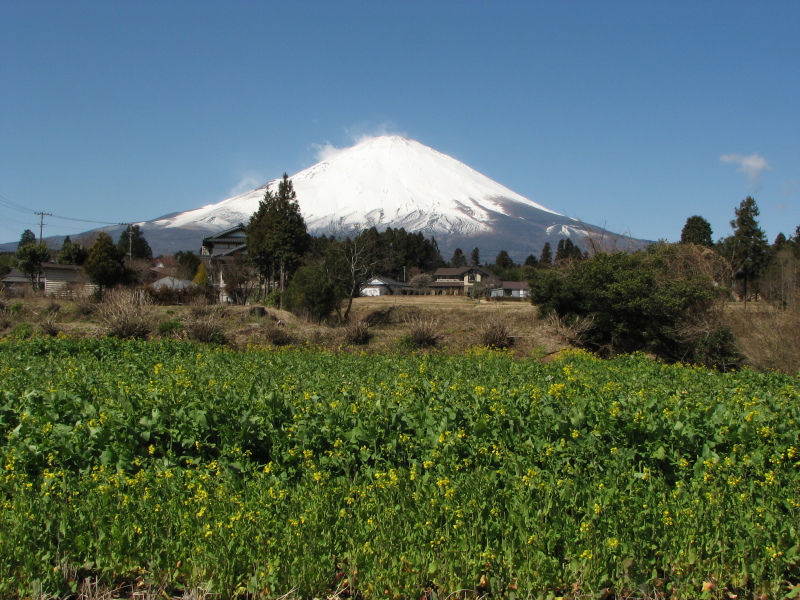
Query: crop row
x=267, y=471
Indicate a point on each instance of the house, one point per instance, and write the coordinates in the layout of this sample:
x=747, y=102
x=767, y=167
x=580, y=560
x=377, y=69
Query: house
x=225, y=243
x=65, y=280
x=15, y=282
x=222, y=252
x=383, y=286
x=511, y=289
x=173, y=283
x=462, y=281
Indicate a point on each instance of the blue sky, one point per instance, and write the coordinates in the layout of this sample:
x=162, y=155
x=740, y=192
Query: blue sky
x=630, y=115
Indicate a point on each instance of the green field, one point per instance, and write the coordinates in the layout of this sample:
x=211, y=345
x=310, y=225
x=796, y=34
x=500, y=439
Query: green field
x=262, y=472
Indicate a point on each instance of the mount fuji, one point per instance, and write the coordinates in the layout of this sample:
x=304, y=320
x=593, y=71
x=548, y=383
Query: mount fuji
x=391, y=181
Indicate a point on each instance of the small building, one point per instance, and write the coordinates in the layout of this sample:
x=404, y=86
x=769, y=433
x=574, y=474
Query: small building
x=511, y=289
x=383, y=286
x=221, y=252
x=15, y=282
x=173, y=283
x=225, y=243
x=65, y=280
x=462, y=281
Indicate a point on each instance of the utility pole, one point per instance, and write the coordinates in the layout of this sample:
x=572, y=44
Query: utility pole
x=41, y=222
x=130, y=243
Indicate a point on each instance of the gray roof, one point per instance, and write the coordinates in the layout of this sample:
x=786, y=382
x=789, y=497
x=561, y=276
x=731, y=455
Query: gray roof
x=173, y=283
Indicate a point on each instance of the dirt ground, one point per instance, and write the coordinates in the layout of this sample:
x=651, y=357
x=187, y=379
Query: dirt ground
x=457, y=323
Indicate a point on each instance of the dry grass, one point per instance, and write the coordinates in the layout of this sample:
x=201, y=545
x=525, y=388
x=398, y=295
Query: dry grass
x=768, y=338
x=357, y=333
x=126, y=314
x=206, y=326
x=424, y=331
x=569, y=332
x=495, y=334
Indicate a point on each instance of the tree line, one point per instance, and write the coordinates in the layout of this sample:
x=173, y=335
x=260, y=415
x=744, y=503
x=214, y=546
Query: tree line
x=668, y=299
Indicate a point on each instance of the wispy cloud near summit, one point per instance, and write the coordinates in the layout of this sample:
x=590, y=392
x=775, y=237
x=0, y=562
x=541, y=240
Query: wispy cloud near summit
x=356, y=135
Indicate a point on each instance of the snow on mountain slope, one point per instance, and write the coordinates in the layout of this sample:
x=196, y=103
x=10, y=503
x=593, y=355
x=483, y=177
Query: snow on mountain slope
x=386, y=181
x=392, y=181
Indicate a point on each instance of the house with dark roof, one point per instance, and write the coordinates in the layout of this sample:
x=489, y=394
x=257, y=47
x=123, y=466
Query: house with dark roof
x=383, y=286
x=220, y=252
x=225, y=243
x=462, y=281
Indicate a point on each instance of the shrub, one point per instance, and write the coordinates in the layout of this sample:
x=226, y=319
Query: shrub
x=357, y=333
x=168, y=296
x=310, y=295
x=206, y=328
x=423, y=331
x=380, y=316
x=85, y=303
x=52, y=307
x=273, y=299
x=126, y=314
x=277, y=334
x=640, y=301
x=495, y=334
x=49, y=327
x=171, y=328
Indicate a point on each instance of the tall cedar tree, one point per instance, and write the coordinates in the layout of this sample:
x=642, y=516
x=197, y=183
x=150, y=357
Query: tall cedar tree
x=546, y=257
x=747, y=248
x=475, y=257
x=567, y=250
x=503, y=260
x=276, y=235
x=105, y=264
x=27, y=237
x=133, y=244
x=697, y=231
x=458, y=260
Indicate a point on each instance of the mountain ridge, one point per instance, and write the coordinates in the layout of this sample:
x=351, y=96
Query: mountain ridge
x=393, y=181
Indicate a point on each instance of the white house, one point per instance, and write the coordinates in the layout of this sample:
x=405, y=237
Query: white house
x=511, y=289
x=383, y=286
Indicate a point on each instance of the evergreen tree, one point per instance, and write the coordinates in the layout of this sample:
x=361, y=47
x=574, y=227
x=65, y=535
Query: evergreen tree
x=458, y=260
x=567, y=250
x=746, y=249
x=503, y=260
x=28, y=237
x=71, y=253
x=105, y=264
x=697, y=231
x=531, y=261
x=188, y=263
x=310, y=294
x=29, y=258
x=276, y=235
x=475, y=257
x=133, y=244
x=780, y=240
x=546, y=257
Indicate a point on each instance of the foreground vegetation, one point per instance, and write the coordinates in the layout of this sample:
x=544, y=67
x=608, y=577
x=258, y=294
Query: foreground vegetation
x=176, y=466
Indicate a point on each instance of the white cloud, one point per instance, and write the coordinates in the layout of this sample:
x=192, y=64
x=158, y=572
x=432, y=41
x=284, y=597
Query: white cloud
x=247, y=183
x=752, y=166
x=326, y=151
x=356, y=134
